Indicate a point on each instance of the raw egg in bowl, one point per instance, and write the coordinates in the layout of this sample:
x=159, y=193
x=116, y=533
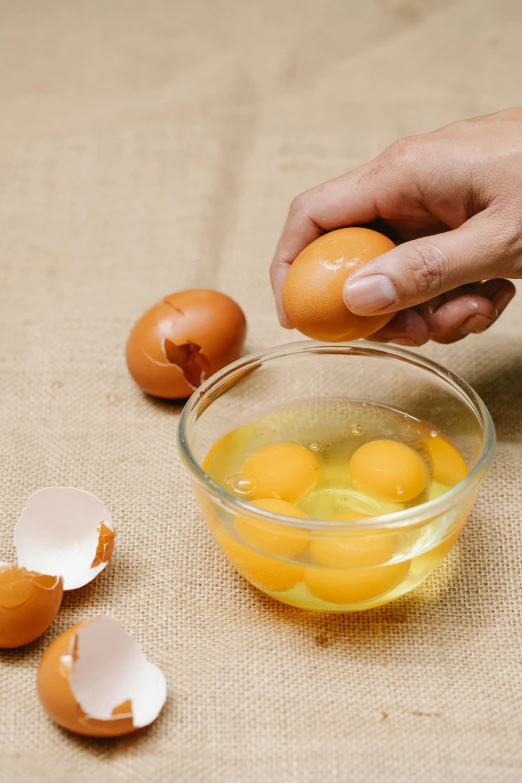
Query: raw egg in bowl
x=336, y=477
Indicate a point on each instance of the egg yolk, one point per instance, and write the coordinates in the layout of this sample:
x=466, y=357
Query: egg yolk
x=266, y=573
x=217, y=462
x=448, y=467
x=356, y=549
x=285, y=471
x=355, y=585
x=269, y=537
x=389, y=470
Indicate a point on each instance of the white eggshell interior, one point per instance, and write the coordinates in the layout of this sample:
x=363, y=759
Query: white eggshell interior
x=57, y=534
x=110, y=669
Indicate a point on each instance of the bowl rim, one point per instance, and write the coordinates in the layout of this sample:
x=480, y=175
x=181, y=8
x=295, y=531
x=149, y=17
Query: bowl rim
x=414, y=516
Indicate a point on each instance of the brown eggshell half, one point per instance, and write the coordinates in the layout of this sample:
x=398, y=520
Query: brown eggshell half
x=184, y=339
x=29, y=602
x=57, y=698
x=312, y=292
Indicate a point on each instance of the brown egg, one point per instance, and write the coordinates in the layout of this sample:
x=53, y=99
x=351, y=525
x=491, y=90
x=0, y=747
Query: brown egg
x=94, y=680
x=29, y=602
x=312, y=293
x=184, y=339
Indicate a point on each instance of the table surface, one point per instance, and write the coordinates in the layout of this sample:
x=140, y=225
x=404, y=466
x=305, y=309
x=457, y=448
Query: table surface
x=149, y=147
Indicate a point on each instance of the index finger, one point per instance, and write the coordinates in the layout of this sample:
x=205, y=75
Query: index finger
x=346, y=200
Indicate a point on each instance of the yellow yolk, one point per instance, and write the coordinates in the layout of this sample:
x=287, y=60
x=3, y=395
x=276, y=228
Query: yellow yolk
x=270, y=537
x=267, y=573
x=217, y=449
x=355, y=549
x=389, y=470
x=448, y=467
x=285, y=471
x=355, y=585
x=216, y=463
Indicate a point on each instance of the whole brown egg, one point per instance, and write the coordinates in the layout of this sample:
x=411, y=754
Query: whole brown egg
x=182, y=340
x=313, y=289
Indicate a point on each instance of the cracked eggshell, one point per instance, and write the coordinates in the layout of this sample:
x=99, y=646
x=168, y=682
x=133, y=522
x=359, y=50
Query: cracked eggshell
x=94, y=680
x=184, y=339
x=29, y=602
x=67, y=532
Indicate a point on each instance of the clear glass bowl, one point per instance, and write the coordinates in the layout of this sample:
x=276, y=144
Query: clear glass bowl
x=415, y=539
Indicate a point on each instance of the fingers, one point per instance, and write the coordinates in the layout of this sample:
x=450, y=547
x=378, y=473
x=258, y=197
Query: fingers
x=406, y=328
x=500, y=291
x=423, y=269
x=344, y=201
x=467, y=310
x=451, y=321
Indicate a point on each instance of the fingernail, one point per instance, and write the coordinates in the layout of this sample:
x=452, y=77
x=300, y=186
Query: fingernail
x=475, y=324
x=284, y=322
x=369, y=295
x=406, y=341
x=502, y=301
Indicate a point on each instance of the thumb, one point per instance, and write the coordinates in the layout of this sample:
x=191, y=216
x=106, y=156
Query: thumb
x=417, y=271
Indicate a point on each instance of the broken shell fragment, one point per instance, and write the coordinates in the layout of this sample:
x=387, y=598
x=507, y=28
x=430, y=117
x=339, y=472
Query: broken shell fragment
x=105, y=547
x=94, y=680
x=29, y=602
x=182, y=340
x=66, y=532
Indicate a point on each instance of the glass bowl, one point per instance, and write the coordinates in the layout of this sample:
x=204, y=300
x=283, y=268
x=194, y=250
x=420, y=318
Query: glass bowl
x=410, y=542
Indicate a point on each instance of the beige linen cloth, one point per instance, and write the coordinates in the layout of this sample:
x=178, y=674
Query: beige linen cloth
x=149, y=146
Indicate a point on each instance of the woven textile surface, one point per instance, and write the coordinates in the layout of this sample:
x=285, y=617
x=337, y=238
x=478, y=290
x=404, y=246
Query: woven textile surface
x=147, y=147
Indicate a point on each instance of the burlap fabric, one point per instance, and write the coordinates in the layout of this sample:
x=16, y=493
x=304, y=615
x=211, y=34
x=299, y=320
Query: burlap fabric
x=152, y=146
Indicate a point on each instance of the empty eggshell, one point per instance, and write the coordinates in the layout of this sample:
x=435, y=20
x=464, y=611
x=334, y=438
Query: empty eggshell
x=313, y=289
x=184, y=339
x=95, y=680
x=29, y=602
x=66, y=532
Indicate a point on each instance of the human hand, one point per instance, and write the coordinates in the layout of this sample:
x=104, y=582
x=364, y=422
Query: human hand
x=453, y=199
